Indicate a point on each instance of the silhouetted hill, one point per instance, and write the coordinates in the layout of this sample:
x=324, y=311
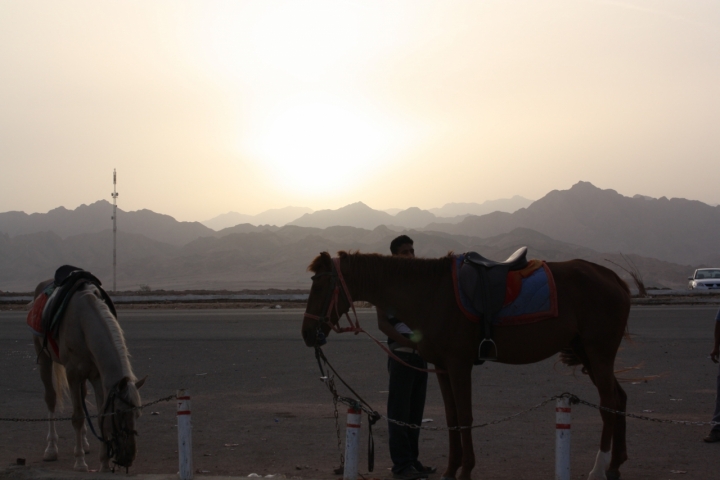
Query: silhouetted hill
x=500, y=205
x=96, y=217
x=274, y=216
x=354, y=215
x=675, y=230
x=360, y=215
x=264, y=258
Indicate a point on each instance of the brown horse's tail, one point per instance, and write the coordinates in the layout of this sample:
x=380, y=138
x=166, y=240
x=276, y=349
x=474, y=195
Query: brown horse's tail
x=574, y=355
x=60, y=384
x=626, y=289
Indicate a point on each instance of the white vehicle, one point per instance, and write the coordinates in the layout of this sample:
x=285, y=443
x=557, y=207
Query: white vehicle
x=704, y=279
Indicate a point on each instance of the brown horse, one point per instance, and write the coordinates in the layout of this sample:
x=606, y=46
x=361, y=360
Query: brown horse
x=593, y=306
x=91, y=347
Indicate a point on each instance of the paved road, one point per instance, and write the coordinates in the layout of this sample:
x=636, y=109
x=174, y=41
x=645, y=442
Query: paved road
x=254, y=384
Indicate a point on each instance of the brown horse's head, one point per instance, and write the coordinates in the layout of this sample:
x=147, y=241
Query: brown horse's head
x=118, y=428
x=326, y=302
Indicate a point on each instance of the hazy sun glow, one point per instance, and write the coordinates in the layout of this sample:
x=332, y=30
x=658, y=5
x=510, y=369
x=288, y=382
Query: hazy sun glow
x=320, y=144
x=254, y=104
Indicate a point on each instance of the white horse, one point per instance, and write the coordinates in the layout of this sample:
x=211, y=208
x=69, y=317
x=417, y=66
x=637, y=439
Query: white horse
x=91, y=346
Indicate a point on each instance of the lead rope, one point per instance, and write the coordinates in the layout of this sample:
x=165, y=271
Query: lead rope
x=372, y=414
x=358, y=329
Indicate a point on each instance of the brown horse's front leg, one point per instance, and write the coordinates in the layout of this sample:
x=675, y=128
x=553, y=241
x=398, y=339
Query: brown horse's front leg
x=460, y=380
x=455, y=455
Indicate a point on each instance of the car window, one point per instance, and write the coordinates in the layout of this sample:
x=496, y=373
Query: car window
x=705, y=274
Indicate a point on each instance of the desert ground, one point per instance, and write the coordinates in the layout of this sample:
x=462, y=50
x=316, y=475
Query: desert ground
x=258, y=406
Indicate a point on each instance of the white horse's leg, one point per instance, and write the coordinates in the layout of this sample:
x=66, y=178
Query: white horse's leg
x=601, y=464
x=100, y=401
x=80, y=464
x=78, y=422
x=51, y=452
x=85, y=443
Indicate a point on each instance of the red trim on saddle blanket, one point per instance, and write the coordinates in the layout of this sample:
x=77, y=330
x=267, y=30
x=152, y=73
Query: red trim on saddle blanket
x=512, y=291
x=34, y=320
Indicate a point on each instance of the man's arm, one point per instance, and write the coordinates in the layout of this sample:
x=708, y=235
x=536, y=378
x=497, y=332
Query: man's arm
x=716, y=347
x=386, y=327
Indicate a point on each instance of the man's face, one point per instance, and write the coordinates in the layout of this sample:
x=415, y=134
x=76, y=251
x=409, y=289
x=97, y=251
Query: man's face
x=406, y=250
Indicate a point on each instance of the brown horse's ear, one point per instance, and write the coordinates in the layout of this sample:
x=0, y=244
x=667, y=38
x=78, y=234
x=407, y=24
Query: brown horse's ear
x=321, y=263
x=140, y=382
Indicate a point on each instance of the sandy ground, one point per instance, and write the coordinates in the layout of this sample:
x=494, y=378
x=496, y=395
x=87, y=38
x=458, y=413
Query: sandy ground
x=258, y=406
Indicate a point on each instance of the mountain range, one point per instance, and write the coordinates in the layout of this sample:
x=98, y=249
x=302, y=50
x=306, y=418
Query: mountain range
x=97, y=217
x=266, y=258
x=665, y=238
x=274, y=216
x=676, y=230
x=360, y=215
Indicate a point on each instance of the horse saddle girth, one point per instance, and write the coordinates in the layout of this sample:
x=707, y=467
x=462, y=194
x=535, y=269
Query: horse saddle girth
x=484, y=281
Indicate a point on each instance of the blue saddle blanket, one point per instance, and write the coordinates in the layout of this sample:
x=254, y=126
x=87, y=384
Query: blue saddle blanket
x=535, y=301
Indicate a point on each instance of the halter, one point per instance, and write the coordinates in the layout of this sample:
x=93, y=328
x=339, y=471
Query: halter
x=112, y=444
x=331, y=303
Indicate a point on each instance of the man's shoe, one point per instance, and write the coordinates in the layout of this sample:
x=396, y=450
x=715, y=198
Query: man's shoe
x=410, y=473
x=425, y=470
x=713, y=437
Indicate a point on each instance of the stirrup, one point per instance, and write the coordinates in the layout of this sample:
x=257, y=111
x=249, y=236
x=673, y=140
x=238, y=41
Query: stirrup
x=485, y=355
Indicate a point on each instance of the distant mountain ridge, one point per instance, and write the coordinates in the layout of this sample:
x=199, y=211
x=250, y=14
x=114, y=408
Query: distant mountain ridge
x=274, y=216
x=500, y=205
x=675, y=230
x=96, y=217
x=667, y=238
x=360, y=215
x=266, y=257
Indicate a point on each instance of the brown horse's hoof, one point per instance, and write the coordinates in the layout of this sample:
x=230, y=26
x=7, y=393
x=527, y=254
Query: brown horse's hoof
x=613, y=474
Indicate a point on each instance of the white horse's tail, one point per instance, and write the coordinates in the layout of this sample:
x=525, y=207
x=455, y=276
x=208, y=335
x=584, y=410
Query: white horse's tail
x=60, y=384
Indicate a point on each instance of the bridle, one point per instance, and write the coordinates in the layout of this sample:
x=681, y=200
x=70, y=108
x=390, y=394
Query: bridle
x=330, y=304
x=118, y=431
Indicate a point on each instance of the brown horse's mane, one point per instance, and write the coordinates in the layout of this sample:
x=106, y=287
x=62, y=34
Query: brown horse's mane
x=385, y=263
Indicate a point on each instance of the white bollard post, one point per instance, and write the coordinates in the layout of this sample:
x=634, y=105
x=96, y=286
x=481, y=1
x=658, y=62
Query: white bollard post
x=562, y=438
x=184, y=435
x=352, y=444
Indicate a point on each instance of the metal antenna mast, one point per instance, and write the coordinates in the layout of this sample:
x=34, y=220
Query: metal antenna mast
x=114, y=219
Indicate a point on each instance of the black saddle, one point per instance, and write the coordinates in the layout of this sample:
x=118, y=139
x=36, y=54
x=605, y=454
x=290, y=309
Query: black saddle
x=483, y=282
x=67, y=281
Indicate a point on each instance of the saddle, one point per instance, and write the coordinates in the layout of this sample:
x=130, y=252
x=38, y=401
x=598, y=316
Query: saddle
x=67, y=281
x=484, y=282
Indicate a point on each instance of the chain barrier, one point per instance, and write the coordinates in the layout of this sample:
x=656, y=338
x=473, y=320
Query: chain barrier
x=331, y=386
x=574, y=399
x=374, y=414
x=64, y=419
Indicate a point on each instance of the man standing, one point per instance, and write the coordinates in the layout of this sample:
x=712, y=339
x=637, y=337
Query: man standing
x=714, y=435
x=406, y=396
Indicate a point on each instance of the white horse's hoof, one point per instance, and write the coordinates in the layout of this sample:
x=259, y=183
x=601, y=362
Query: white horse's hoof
x=80, y=466
x=50, y=455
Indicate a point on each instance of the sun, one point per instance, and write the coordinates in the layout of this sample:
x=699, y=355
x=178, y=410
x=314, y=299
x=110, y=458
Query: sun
x=320, y=144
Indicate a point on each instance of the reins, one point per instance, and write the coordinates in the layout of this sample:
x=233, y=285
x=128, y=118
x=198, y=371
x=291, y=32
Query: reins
x=331, y=304
x=113, y=442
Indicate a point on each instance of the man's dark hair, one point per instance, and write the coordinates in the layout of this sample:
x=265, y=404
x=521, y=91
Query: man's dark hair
x=398, y=242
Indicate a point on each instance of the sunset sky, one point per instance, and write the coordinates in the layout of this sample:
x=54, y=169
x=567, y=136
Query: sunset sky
x=206, y=107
